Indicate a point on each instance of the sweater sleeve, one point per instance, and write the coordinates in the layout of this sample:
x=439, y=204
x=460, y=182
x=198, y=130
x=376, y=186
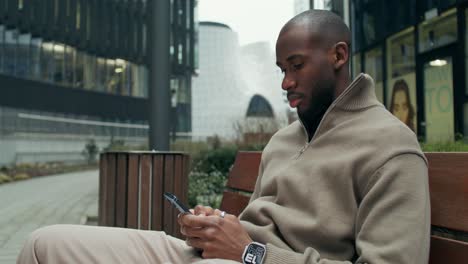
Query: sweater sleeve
x=393, y=220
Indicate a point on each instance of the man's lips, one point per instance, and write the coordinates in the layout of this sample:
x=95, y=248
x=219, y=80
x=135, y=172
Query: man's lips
x=294, y=99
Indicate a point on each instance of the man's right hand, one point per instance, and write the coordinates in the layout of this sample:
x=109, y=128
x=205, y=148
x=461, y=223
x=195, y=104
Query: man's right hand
x=206, y=210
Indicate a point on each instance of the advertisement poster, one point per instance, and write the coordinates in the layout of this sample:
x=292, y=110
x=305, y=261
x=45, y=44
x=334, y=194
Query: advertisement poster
x=401, y=99
x=438, y=100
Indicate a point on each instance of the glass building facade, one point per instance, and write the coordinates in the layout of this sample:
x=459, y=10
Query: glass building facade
x=417, y=53
x=91, y=55
x=81, y=67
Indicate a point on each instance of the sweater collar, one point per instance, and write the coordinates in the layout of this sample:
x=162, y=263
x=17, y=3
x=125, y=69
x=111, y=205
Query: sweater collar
x=360, y=94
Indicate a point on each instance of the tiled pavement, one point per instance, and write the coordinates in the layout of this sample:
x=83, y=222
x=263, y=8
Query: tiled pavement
x=30, y=204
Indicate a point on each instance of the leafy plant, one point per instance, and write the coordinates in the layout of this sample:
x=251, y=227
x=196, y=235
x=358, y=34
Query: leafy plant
x=90, y=151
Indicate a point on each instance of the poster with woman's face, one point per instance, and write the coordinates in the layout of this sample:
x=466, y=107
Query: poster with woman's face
x=401, y=102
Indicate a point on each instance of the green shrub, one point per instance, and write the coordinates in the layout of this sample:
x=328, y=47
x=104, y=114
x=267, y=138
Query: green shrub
x=5, y=178
x=206, y=188
x=220, y=159
x=457, y=146
x=90, y=151
x=208, y=177
x=21, y=176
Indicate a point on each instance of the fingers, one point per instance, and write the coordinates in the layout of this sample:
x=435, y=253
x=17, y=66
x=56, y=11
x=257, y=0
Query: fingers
x=203, y=210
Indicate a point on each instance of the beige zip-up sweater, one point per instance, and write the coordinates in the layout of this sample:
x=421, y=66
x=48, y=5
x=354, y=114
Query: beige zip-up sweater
x=356, y=193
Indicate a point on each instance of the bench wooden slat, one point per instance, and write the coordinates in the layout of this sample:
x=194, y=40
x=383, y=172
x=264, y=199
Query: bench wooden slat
x=158, y=181
x=244, y=172
x=132, y=191
x=169, y=223
x=121, y=192
x=110, y=193
x=448, y=181
x=103, y=160
x=145, y=201
x=234, y=203
x=444, y=250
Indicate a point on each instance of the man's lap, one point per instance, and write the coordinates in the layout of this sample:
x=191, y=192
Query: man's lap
x=89, y=244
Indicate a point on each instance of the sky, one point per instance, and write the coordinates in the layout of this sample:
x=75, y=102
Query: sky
x=253, y=20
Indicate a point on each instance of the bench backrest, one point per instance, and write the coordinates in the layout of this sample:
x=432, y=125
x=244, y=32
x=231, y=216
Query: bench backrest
x=448, y=183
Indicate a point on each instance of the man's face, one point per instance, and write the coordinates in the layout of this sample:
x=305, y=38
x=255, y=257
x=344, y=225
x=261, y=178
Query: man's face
x=308, y=72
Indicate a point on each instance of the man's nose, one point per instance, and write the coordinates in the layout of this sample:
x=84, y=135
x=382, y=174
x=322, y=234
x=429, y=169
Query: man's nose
x=288, y=83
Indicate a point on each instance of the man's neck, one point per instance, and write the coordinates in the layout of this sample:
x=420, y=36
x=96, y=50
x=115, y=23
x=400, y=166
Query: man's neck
x=311, y=124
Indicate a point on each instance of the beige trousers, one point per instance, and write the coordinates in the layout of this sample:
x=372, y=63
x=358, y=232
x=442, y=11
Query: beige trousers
x=90, y=244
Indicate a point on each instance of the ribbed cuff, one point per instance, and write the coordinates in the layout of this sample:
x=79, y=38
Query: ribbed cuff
x=276, y=255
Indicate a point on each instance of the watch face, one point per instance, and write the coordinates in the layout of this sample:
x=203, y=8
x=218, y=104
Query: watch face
x=254, y=254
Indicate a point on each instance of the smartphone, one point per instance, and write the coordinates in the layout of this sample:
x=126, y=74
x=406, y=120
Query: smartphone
x=176, y=202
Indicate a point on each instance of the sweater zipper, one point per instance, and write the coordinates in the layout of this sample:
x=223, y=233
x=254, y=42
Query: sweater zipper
x=304, y=148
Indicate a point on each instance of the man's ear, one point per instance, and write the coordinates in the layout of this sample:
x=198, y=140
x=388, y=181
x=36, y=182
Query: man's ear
x=341, y=55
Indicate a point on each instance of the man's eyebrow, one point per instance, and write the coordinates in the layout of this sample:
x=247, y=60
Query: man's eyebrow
x=294, y=56
x=290, y=58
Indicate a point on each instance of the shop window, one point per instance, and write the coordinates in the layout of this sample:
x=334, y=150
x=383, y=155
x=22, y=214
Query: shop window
x=466, y=57
x=22, y=68
x=36, y=58
x=465, y=120
x=46, y=61
x=89, y=72
x=2, y=43
x=58, y=75
x=356, y=64
x=78, y=82
x=374, y=67
x=373, y=22
x=101, y=74
x=69, y=66
x=10, y=51
x=401, y=77
x=439, y=31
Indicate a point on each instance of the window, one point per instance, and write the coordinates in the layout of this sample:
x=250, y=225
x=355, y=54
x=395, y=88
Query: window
x=10, y=51
x=36, y=58
x=22, y=68
x=69, y=66
x=78, y=15
x=58, y=64
x=90, y=72
x=374, y=67
x=2, y=43
x=78, y=81
x=465, y=119
x=466, y=59
x=101, y=74
x=356, y=65
x=438, y=31
x=47, y=60
x=401, y=77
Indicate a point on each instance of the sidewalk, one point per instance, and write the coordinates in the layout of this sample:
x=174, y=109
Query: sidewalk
x=28, y=205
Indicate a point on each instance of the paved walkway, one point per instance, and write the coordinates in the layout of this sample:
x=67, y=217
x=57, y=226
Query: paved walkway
x=27, y=205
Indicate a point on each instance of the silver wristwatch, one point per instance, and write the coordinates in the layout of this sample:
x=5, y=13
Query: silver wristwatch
x=254, y=253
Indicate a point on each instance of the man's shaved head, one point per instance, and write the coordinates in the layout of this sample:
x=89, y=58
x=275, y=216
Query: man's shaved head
x=325, y=27
x=312, y=51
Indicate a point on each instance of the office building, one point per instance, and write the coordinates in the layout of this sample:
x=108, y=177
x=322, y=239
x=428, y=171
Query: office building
x=71, y=70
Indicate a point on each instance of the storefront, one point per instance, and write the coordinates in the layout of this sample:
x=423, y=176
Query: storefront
x=417, y=52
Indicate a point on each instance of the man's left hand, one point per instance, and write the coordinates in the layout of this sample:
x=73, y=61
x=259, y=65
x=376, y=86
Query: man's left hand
x=218, y=237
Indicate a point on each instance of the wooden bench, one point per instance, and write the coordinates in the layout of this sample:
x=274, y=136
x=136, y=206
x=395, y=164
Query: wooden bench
x=448, y=183
x=131, y=187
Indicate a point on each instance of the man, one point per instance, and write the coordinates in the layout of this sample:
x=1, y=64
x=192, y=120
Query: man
x=346, y=184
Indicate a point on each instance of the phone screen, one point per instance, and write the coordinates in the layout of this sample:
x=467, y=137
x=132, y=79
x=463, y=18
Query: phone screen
x=176, y=202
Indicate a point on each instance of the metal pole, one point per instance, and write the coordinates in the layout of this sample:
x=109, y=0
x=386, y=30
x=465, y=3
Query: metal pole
x=159, y=79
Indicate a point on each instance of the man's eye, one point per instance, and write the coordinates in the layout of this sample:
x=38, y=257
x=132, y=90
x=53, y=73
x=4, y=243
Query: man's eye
x=298, y=66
